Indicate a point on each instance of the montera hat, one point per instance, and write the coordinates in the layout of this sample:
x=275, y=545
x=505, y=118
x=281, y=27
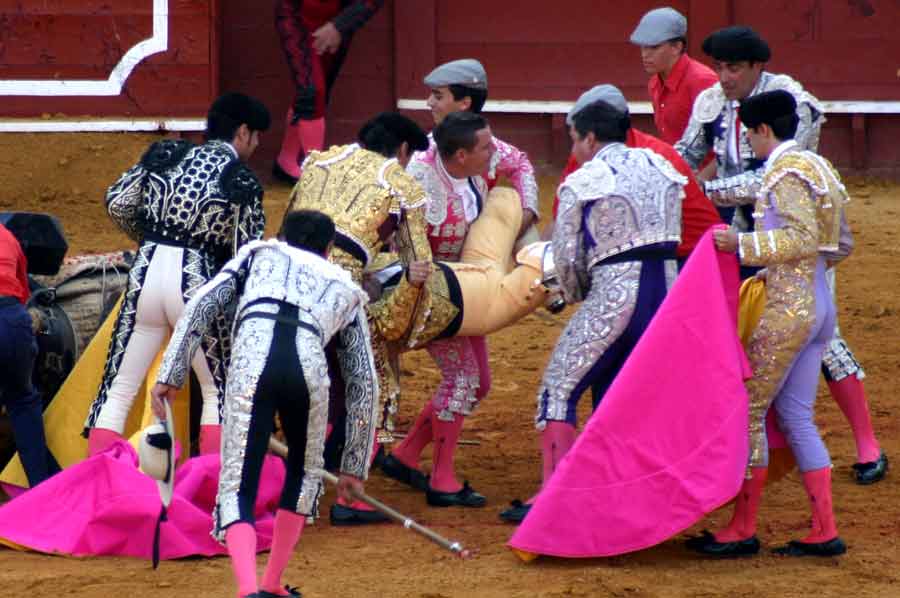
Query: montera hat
x=156, y=452
x=736, y=44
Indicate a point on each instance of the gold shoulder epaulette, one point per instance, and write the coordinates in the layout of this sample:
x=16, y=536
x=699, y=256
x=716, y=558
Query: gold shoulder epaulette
x=405, y=186
x=799, y=165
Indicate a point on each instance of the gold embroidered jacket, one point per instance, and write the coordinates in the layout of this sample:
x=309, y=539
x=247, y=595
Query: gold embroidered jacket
x=364, y=193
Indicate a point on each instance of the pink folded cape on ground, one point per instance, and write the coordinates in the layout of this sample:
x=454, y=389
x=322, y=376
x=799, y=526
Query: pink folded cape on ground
x=106, y=506
x=668, y=443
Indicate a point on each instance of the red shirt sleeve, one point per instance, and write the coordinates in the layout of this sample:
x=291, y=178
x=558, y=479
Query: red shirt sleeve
x=571, y=166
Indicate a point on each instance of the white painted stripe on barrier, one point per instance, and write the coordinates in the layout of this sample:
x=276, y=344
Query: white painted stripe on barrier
x=554, y=107
x=112, y=86
x=101, y=126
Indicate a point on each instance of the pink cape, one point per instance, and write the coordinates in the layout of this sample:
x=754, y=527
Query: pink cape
x=668, y=443
x=106, y=506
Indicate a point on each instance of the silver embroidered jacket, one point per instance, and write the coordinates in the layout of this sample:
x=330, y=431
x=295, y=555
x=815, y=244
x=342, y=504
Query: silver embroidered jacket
x=328, y=301
x=712, y=127
x=622, y=199
x=202, y=197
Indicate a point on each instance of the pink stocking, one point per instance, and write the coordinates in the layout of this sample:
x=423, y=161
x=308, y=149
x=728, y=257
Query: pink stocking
x=240, y=539
x=210, y=439
x=290, y=147
x=312, y=134
x=746, y=507
x=818, y=488
x=445, y=435
x=556, y=440
x=850, y=395
x=288, y=527
x=408, y=451
x=99, y=439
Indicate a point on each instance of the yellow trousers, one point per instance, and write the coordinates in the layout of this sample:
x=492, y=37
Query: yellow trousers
x=496, y=292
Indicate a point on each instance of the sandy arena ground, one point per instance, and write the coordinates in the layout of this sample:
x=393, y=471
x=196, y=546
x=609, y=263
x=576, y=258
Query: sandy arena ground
x=68, y=174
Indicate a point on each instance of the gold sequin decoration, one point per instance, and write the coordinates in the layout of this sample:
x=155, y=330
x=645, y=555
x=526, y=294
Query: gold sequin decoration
x=789, y=253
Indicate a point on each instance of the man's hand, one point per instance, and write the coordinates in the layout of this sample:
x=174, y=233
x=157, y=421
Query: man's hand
x=160, y=393
x=417, y=273
x=726, y=240
x=326, y=39
x=349, y=487
x=372, y=287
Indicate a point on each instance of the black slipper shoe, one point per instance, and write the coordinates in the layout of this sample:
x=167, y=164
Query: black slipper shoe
x=395, y=469
x=464, y=497
x=291, y=593
x=516, y=512
x=344, y=515
x=871, y=472
x=832, y=547
x=708, y=545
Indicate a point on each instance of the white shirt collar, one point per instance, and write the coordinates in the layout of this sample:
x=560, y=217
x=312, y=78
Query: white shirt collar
x=463, y=187
x=231, y=147
x=778, y=151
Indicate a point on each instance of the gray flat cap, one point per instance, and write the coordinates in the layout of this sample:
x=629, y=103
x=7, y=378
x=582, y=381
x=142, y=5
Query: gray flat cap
x=658, y=26
x=468, y=72
x=606, y=92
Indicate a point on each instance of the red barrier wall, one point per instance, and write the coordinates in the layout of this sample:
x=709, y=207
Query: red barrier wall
x=840, y=50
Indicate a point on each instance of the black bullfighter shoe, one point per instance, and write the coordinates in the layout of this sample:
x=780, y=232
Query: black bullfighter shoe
x=833, y=547
x=395, y=469
x=344, y=515
x=871, y=472
x=708, y=545
x=291, y=593
x=464, y=497
x=516, y=512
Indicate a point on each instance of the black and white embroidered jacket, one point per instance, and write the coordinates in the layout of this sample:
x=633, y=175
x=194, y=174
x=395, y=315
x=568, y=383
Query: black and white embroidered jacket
x=201, y=197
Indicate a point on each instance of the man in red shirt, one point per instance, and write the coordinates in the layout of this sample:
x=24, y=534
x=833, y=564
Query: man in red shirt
x=697, y=212
x=18, y=348
x=675, y=78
